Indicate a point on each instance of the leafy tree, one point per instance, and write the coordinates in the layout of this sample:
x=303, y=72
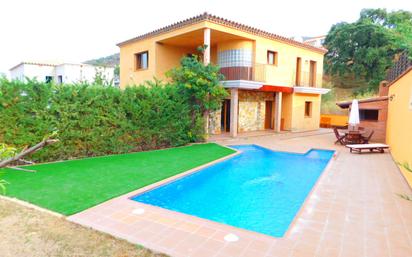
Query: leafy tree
x=100, y=78
x=366, y=48
x=117, y=70
x=200, y=85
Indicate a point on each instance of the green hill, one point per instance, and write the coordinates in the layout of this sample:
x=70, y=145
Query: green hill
x=111, y=60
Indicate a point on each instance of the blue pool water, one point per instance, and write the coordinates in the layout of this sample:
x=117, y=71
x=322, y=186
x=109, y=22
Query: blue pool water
x=259, y=190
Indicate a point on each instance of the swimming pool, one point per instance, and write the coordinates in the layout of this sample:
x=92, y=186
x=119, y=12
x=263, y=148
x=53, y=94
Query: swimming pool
x=259, y=189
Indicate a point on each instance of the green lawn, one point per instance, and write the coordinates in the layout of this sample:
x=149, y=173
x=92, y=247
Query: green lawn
x=72, y=186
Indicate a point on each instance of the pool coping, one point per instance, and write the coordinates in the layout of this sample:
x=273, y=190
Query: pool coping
x=223, y=229
x=164, y=182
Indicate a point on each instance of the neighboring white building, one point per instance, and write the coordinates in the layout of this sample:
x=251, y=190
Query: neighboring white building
x=59, y=72
x=318, y=41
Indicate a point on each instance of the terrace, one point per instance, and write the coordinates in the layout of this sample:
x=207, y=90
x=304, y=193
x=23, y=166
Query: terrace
x=353, y=210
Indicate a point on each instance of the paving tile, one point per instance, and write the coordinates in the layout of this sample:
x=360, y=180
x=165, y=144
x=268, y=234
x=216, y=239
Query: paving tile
x=353, y=211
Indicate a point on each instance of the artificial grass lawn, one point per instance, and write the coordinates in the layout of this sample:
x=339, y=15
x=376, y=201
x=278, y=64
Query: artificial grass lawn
x=72, y=186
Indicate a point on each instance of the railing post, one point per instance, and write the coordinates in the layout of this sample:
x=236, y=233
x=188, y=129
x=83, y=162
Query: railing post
x=206, y=42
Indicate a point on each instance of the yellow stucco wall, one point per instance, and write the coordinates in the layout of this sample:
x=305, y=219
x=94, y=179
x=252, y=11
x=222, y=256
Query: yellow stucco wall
x=128, y=74
x=168, y=57
x=286, y=115
x=235, y=44
x=399, y=124
x=299, y=121
x=162, y=58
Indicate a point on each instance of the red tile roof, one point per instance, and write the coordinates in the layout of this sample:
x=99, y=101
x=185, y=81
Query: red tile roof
x=221, y=21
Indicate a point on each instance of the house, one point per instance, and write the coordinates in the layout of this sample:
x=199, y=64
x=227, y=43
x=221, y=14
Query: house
x=275, y=83
x=373, y=113
x=317, y=41
x=59, y=72
x=399, y=124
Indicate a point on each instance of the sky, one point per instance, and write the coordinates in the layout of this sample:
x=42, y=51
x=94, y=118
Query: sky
x=79, y=30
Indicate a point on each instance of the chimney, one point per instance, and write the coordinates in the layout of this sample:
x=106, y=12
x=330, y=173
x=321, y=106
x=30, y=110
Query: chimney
x=383, y=88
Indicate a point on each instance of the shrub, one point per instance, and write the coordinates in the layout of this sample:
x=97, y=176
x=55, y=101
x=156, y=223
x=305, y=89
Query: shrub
x=92, y=120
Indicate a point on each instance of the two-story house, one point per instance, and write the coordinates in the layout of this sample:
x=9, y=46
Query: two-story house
x=274, y=82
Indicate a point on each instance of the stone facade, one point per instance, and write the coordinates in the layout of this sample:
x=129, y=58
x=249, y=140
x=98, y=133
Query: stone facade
x=252, y=110
x=214, y=127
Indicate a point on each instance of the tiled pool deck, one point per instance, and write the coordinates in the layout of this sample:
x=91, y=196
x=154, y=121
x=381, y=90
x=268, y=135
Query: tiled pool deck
x=353, y=210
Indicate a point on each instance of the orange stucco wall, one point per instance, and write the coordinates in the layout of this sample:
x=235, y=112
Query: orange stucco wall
x=163, y=57
x=399, y=123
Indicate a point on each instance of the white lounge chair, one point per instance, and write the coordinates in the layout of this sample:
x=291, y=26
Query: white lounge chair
x=371, y=147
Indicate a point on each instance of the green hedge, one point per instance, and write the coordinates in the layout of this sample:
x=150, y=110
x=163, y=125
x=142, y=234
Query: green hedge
x=93, y=120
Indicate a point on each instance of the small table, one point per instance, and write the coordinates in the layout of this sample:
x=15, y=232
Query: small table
x=354, y=136
x=347, y=131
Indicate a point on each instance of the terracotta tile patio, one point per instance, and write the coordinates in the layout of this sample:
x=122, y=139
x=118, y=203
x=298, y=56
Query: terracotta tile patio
x=353, y=210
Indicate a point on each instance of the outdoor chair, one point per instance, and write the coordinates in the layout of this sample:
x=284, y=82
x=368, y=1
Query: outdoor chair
x=365, y=140
x=339, y=138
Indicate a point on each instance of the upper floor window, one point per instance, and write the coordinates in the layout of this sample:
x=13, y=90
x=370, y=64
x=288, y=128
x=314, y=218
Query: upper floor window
x=272, y=58
x=142, y=60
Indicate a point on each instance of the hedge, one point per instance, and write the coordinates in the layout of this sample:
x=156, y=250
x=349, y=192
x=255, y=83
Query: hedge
x=93, y=120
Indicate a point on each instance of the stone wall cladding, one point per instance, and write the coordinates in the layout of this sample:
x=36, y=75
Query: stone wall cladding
x=252, y=110
x=214, y=122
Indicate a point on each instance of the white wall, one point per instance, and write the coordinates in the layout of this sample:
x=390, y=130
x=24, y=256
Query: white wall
x=74, y=73
x=32, y=71
x=71, y=73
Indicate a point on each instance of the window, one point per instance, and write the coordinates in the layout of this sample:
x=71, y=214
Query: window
x=371, y=115
x=60, y=79
x=272, y=58
x=49, y=79
x=308, y=109
x=142, y=60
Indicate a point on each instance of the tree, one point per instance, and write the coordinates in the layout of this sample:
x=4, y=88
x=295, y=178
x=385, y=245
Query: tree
x=365, y=49
x=200, y=85
x=100, y=77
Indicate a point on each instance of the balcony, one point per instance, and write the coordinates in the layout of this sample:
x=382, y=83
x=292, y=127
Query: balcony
x=255, y=72
x=305, y=79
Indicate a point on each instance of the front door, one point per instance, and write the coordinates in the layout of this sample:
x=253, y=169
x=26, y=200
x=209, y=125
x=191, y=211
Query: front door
x=269, y=115
x=225, y=116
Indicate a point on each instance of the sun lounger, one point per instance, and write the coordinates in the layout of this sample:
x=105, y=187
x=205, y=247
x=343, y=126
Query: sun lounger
x=371, y=147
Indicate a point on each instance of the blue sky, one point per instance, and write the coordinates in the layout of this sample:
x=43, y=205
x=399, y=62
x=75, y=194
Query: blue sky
x=77, y=30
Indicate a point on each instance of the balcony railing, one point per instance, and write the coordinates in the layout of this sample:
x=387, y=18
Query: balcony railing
x=399, y=67
x=306, y=80
x=265, y=73
x=256, y=72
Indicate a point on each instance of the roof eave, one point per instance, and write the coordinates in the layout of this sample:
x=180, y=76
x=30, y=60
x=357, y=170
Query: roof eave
x=222, y=21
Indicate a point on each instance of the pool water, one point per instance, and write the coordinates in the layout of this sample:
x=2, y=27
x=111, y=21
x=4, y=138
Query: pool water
x=259, y=190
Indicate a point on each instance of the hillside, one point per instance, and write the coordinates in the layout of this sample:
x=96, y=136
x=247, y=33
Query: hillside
x=111, y=60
